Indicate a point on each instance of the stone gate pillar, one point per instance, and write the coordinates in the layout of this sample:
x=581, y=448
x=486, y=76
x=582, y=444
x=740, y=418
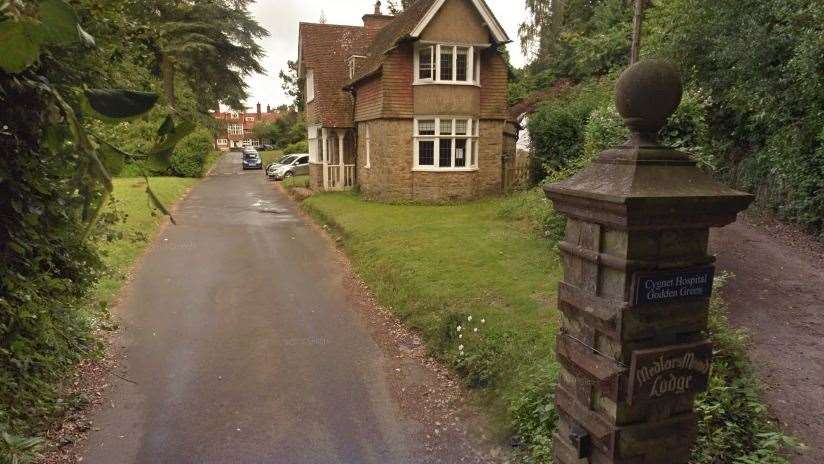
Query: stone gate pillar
x=637, y=280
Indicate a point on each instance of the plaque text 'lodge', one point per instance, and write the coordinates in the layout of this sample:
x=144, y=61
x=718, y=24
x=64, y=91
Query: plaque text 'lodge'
x=670, y=371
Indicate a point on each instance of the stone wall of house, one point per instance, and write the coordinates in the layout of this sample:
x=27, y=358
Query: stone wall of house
x=390, y=176
x=316, y=176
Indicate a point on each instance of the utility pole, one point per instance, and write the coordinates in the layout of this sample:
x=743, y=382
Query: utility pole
x=636, y=31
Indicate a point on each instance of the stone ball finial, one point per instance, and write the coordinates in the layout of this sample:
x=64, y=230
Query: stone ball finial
x=646, y=95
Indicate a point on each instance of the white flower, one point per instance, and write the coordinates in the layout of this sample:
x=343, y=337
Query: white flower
x=460, y=328
x=460, y=347
x=461, y=353
x=475, y=329
x=469, y=318
x=483, y=321
x=460, y=336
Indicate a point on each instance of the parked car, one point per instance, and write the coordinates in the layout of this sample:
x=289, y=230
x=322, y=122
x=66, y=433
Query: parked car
x=275, y=163
x=292, y=165
x=267, y=147
x=251, y=160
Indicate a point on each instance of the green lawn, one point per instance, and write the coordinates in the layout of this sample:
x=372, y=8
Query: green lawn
x=270, y=156
x=139, y=227
x=296, y=181
x=434, y=266
x=495, y=260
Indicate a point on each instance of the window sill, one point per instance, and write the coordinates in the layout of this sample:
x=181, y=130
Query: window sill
x=425, y=169
x=464, y=84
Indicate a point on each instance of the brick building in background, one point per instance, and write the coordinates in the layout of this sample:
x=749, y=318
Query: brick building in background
x=235, y=129
x=409, y=107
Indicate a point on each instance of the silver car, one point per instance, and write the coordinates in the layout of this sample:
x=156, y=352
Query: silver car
x=289, y=166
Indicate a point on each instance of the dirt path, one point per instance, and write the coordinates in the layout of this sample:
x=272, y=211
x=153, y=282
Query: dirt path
x=778, y=296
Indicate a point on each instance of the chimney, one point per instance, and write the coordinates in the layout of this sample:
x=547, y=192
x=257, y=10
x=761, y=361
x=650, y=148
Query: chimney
x=258, y=108
x=375, y=22
x=268, y=109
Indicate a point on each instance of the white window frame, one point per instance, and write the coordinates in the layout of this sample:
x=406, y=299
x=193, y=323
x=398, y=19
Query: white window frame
x=368, y=144
x=249, y=119
x=473, y=68
x=471, y=138
x=235, y=129
x=310, y=85
x=222, y=142
x=314, y=144
x=352, y=64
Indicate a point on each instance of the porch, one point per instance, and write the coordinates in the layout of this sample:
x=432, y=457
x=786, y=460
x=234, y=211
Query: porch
x=335, y=153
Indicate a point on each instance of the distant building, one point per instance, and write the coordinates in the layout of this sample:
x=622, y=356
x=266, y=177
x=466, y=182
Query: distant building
x=236, y=128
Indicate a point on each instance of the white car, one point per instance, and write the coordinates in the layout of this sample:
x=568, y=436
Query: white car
x=289, y=166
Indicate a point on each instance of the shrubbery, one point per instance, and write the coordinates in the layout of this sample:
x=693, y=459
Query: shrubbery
x=191, y=155
x=297, y=147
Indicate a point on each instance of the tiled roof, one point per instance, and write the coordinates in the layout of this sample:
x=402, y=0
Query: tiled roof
x=325, y=48
x=390, y=36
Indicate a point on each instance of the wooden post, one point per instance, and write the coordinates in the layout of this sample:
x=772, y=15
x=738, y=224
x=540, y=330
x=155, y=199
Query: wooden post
x=637, y=20
x=633, y=344
x=341, y=173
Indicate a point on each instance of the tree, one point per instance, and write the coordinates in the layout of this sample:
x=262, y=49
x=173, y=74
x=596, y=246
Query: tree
x=637, y=20
x=293, y=85
x=396, y=8
x=211, y=44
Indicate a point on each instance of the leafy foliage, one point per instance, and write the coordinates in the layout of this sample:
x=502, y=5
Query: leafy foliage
x=191, y=155
x=55, y=180
x=754, y=73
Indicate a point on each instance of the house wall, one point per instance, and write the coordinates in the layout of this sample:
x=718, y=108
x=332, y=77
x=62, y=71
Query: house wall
x=398, y=72
x=316, y=176
x=458, y=100
x=312, y=113
x=369, y=103
x=494, y=79
x=457, y=21
x=390, y=177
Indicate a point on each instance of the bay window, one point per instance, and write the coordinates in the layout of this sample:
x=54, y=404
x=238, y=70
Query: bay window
x=447, y=64
x=445, y=143
x=235, y=129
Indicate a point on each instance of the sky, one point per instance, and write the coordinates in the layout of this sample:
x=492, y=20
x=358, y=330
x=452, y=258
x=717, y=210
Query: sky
x=281, y=18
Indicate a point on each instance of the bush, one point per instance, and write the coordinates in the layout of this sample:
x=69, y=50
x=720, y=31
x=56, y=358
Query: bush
x=190, y=156
x=557, y=127
x=297, y=147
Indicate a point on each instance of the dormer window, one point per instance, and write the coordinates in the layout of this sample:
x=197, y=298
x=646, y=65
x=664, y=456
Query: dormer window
x=447, y=64
x=352, y=64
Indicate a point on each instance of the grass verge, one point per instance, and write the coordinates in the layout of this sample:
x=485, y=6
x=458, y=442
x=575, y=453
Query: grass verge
x=480, y=284
x=137, y=229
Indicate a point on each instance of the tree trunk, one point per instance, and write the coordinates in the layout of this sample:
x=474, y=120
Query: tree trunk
x=167, y=71
x=635, y=51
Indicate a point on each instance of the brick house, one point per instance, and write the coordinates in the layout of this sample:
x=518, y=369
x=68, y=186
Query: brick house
x=235, y=129
x=408, y=107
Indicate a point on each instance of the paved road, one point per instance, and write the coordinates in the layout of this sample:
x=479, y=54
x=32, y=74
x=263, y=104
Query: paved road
x=243, y=347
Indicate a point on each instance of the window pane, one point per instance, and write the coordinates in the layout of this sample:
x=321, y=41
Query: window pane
x=460, y=127
x=425, y=56
x=426, y=153
x=460, y=153
x=461, y=64
x=446, y=153
x=446, y=63
x=446, y=127
x=426, y=127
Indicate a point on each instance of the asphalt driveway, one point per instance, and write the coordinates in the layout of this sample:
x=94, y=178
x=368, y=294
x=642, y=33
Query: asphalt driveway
x=240, y=345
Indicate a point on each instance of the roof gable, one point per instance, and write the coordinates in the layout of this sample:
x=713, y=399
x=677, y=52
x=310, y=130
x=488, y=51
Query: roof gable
x=483, y=9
